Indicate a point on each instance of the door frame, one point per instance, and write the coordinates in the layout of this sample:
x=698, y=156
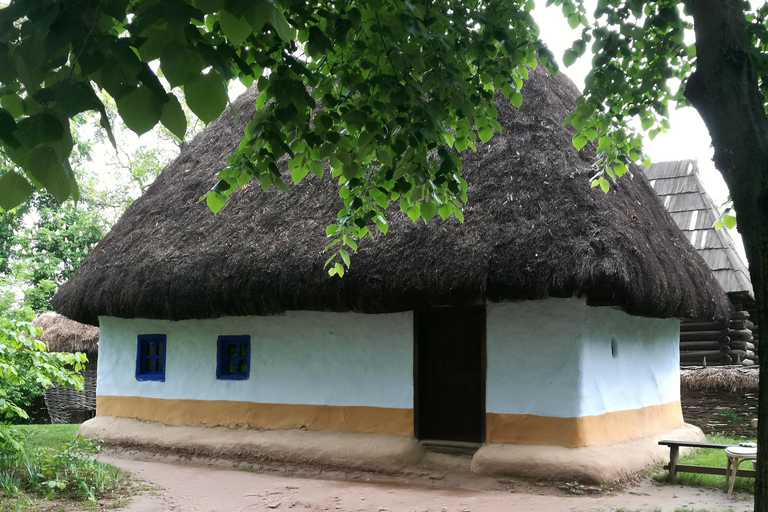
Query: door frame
x=417, y=313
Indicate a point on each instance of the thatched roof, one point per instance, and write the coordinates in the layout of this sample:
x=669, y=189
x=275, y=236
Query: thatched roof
x=727, y=378
x=683, y=195
x=533, y=229
x=64, y=335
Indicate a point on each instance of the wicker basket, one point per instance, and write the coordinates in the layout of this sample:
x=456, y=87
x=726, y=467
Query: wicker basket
x=67, y=405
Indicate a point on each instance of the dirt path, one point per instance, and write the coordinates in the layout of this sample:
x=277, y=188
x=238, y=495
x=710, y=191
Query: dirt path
x=194, y=487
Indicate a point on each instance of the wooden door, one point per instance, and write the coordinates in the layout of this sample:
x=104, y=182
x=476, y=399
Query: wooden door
x=450, y=374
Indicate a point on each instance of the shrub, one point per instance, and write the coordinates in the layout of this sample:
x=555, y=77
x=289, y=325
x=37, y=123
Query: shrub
x=70, y=470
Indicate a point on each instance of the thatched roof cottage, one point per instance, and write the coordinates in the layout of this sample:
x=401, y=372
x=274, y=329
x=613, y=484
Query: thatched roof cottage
x=542, y=331
x=60, y=334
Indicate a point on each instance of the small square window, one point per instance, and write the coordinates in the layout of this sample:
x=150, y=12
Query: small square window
x=150, y=357
x=233, y=357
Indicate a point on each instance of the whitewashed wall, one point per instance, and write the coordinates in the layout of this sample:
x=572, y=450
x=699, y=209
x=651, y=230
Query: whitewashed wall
x=297, y=358
x=553, y=358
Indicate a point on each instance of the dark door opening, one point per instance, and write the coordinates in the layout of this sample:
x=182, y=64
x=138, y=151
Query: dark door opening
x=450, y=374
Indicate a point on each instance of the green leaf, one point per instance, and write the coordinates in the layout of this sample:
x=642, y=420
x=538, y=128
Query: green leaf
x=445, y=210
x=277, y=20
x=718, y=224
x=179, y=65
x=647, y=123
x=173, y=117
x=569, y=57
x=215, y=201
x=381, y=223
x=14, y=190
x=14, y=104
x=209, y=6
x=206, y=96
x=485, y=133
x=39, y=128
x=604, y=185
x=413, y=212
x=344, y=256
x=428, y=209
x=729, y=221
x=516, y=99
x=579, y=141
x=140, y=110
x=236, y=28
x=45, y=166
x=603, y=143
x=298, y=173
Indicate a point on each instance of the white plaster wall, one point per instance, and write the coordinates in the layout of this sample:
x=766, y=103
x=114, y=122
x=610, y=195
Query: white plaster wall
x=553, y=358
x=301, y=357
x=646, y=369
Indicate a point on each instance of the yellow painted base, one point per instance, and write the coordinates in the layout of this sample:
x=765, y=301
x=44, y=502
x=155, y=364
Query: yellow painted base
x=595, y=430
x=371, y=420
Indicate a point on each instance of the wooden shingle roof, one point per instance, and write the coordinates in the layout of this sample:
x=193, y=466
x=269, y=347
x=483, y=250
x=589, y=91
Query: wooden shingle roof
x=693, y=210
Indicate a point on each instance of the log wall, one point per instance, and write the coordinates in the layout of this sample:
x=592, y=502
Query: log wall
x=720, y=343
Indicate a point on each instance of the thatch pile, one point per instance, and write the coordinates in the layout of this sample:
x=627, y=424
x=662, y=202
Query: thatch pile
x=723, y=378
x=533, y=229
x=61, y=334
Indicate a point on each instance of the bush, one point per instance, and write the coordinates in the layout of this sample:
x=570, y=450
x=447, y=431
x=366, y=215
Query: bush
x=70, y=470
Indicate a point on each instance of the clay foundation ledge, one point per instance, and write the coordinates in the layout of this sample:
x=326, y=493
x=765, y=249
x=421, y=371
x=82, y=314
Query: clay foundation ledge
x=341, y=450
x=607, y=463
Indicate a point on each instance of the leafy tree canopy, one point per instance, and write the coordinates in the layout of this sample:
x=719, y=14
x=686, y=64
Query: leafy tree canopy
x=387, y=92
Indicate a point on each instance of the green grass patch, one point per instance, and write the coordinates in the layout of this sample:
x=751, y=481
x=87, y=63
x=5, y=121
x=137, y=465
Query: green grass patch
x=710, y=457
x=46, y=436
x=46, y=467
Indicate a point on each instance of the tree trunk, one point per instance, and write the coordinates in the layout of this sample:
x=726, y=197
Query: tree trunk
x=724, y=90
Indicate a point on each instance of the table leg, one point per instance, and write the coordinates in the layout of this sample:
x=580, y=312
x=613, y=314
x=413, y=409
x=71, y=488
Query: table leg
x=736, y=462
x=674, y=457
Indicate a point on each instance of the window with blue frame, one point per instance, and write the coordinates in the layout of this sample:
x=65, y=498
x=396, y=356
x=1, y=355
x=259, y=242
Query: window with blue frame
x=234, y=357
x=150, y=357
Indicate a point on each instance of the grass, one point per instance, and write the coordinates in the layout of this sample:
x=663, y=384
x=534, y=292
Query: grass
x=47, y=468
x=47, y=436
x=710, y=457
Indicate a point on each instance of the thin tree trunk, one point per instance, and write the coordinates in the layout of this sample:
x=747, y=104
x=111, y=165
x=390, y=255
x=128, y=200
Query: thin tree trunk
x=724, y=90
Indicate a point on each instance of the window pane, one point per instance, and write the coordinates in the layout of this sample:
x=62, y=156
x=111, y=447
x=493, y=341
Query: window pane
x=231, y=349
x=148, y=366
x=231, y=366
x=150, y=348
x=160, y=347
x=243, y=366
x=159, y=365
x=243, y=349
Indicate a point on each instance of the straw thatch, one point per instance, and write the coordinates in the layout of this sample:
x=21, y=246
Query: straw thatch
x=533, y=229
x=61, y=334
x=726, y=378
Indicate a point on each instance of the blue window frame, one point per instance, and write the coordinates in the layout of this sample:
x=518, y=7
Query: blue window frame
x=150, y=357
x=233, y=360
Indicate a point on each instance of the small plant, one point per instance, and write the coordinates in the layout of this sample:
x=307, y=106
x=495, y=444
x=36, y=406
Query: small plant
x=251, y=469
x=730, y=414
x=70, y=470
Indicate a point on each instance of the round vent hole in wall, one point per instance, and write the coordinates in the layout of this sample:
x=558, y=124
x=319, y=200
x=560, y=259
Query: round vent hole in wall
x=614, y=348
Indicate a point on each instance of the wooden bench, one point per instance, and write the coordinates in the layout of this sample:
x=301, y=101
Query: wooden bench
x=674, y=457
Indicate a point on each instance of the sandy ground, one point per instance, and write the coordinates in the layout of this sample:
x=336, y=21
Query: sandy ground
x=440, y=485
